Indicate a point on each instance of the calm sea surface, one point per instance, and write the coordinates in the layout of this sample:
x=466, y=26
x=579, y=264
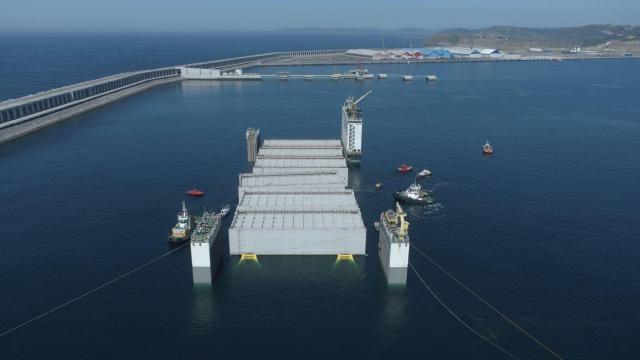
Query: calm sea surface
x=546, y=230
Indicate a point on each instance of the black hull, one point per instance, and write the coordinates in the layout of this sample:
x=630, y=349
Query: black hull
x=178, y=241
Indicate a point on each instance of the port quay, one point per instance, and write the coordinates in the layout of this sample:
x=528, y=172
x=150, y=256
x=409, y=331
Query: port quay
x=30, y=113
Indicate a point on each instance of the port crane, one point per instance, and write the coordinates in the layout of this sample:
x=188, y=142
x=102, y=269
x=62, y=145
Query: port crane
x=362, y=97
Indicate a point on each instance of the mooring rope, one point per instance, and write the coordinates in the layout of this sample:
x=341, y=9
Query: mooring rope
x=446, y=307
x=7, y=332
x=545, y=347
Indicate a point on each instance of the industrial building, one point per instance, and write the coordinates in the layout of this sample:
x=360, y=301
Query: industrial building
x=296, y=203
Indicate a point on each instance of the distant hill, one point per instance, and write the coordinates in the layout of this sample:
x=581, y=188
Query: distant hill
x=506, y=37
x=398, y=32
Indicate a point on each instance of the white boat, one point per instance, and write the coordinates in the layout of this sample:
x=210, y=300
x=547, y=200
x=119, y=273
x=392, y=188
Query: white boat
x=431, y=78
x=407, y=78
x=368, y=76
x=487, y=149
x=382, y=76
x=336, y=76
x=182, y=230
x=308, y=77
x=424, y=173
x=225, y=210
x=414, y=195
x=283, y=76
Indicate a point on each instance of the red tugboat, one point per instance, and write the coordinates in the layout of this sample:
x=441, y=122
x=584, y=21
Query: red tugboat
x=404, y=168
x=487, y=149
x=195, y=193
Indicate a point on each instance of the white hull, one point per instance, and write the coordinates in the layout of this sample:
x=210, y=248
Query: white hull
x=394, y=255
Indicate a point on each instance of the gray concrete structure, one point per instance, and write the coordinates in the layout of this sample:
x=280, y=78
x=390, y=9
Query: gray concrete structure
x=278, y=156
x=297, y=231
x=295, y=202
x=301, y=152
x=299, y=199
x=311, y=180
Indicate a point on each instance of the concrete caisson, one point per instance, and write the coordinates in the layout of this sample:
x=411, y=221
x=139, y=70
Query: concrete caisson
x=296, y=203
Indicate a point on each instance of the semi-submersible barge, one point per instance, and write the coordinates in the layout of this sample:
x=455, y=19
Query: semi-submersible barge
x=296, y=200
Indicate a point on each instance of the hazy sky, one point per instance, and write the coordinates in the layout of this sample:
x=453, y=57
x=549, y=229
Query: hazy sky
x=204, y=15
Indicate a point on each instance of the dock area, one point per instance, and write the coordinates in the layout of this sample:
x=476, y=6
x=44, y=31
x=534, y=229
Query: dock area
x=296, y=202
x=33, y=112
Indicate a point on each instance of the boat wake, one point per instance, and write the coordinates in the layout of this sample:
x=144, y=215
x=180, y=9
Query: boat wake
x=430, y=211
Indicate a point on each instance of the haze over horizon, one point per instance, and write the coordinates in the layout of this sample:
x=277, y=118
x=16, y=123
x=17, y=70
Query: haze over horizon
x=254, y=15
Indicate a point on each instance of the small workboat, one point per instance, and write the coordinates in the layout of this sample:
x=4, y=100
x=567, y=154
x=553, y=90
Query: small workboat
x=487, y=149
x=424, y=173
x=225, y=210
x=404, y=168
x=182, y=230
x=382, y=76
x=431, y=78
x=407, y=78
x=378, y=185
x=414, y=195
x=195, y=193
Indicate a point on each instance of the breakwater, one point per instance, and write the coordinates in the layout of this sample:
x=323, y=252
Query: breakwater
x=30, y=113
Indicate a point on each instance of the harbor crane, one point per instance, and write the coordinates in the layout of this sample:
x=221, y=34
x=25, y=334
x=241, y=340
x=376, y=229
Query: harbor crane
x=362, y=97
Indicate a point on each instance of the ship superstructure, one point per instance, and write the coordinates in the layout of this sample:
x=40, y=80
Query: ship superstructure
x=393, y=245
x=182, y=230
x=351, y=138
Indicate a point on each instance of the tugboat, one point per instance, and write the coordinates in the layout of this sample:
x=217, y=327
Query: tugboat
x=404, y=168
x=225, y=210
x=424, y=173
x=378, y=185
x=195, y=193
x=182, y=230
x=414, y=195
x=487, y=149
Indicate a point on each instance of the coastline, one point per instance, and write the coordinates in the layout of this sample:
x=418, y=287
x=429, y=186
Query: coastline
x=27, y=117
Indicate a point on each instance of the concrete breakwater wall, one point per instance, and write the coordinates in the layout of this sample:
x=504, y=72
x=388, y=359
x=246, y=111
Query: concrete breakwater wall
x=30, y=113
x=25, y=127
x=27, y=114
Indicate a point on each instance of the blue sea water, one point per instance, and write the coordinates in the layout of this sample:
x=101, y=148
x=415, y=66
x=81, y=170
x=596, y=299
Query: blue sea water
x=546, y=230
